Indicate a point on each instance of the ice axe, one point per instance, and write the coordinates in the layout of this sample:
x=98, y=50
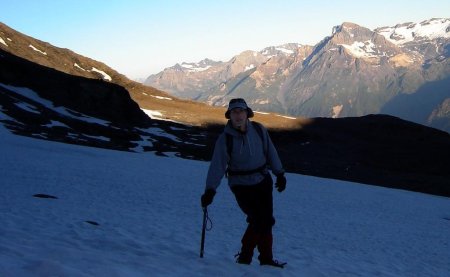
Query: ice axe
x=204, y=229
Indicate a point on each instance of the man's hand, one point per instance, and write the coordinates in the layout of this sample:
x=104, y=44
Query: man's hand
x=280, y=184
x=208, y=197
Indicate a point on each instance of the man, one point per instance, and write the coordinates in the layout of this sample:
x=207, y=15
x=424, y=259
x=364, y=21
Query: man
x=244, y=151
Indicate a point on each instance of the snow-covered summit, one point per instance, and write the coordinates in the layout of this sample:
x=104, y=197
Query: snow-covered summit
x=407, y=32
x=198, y=66
x=285, y=49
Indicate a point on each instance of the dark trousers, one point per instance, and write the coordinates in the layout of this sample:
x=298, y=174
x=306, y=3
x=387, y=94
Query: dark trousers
x=257, y=203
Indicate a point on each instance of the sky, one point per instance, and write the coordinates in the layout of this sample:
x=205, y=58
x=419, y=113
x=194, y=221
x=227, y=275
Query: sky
x=142, y=37
x=126, y=214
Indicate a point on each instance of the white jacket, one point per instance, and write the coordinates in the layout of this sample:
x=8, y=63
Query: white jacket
x=248, y=153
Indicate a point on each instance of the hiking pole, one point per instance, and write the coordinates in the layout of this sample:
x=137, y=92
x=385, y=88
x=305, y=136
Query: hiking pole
x=202, y=244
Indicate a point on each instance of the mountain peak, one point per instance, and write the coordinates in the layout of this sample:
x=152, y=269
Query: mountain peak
x=349, y=33
x=350, y=25
x=346, y=26
x=285, y=49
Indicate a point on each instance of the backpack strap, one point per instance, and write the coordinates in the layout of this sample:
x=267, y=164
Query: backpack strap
x=259, y=130
x=229, y=142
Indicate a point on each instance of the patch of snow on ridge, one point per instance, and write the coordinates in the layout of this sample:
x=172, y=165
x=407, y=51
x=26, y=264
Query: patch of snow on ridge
x=77, y=66
x=161, y=97
x=284, y=50
x=285, y=116
x=194, y=67
x=262, y=101
x=3, y=42
x=248, y=67
x=430, y=29
x=361, y=49
x=37, y=50
x=157, y=115
x=105, y=76
x=153, y=114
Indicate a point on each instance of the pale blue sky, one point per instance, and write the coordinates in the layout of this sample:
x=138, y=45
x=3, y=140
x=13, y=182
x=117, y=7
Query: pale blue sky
x=142, y=37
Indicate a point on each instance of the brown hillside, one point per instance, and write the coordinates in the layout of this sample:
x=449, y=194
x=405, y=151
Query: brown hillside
x=172, y=108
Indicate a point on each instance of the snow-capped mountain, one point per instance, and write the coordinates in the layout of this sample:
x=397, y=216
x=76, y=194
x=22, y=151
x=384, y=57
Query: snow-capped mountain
x=353, y=72
x=188, y=79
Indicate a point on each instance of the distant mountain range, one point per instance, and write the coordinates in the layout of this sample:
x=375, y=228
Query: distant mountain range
x=403, y=70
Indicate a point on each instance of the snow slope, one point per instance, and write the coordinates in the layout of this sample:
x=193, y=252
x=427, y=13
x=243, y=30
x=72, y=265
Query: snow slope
x=149, y=217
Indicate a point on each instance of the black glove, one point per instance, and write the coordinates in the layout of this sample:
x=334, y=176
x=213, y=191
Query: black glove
x=280, y=184
x=208, y=197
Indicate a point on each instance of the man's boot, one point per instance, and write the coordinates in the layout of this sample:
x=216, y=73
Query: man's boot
x=265, y=251
x=249, y=241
